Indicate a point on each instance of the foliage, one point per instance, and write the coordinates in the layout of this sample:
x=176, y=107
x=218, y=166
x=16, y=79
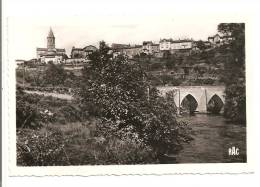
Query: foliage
x=37, y=148
x=234, y=72
x=156, y=66
x=170, y=63
x=55, y=75
x=169, y=79
x=32, y=110
x=235, y=102
x=207, y=81
x=27, y=114
x=101, y=151
x=71, y=113
x=119, y=89
x=74, y=145
x=166, y=55
x=201, y=45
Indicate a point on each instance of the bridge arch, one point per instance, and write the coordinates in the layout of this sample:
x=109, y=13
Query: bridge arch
x=215, y=104
x=202, y=94
x=189, y=104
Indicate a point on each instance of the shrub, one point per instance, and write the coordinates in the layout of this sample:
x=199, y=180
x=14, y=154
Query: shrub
x=55, y=75
x=107, y=151
x=235, y=102
x=37, y=148
x=27, y=114
x=70, y=113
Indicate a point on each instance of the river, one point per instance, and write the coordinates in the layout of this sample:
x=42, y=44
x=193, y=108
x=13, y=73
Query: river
x=213, y=136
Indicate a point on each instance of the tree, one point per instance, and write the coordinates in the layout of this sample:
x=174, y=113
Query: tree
x=170, y=63
x=119, y=90
x=166, y=54
x=234, y=72
x=55, y=75
x=156, y=66
x=201, y=45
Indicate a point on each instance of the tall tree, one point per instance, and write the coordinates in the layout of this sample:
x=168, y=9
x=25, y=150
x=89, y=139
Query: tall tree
x=118, y=88
x=235, y=101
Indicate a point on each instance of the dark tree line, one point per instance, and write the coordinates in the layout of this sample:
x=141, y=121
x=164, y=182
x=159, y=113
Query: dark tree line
x=234, y=72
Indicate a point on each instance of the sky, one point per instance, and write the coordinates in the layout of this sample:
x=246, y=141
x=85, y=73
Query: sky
x=129, y=22
x=27, y=34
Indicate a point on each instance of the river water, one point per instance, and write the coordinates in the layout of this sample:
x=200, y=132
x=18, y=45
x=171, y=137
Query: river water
x=213, y=136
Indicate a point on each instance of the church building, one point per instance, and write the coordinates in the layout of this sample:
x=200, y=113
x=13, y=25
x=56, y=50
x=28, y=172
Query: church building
x=50, y=54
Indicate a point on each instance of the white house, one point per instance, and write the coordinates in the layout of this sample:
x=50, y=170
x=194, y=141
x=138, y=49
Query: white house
x=216, y=39
x=181, y=44
x=174, y=45
x=165, y=44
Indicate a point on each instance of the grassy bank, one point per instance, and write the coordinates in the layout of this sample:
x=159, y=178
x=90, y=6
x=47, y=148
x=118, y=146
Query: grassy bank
x=62, y=133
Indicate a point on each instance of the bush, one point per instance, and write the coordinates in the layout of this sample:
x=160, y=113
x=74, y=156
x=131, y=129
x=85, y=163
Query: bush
x=53, y=147
x=27, y=114
x=235, y=102
x=55, y=75
x=70, y=113
x=156, y=66
x=37, y=148
x=102, y=151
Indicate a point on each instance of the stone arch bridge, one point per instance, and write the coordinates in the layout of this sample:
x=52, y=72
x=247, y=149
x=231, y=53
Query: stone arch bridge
x=202, y=95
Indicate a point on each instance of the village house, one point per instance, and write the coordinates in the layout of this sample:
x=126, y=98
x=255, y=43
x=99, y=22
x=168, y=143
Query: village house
x=117, y=49
x=218, y=40
x=150, y=48
x=169, y=44
x=181, y=44
x=165, y=44
x=176, y=46
x=132, y=51
x=126, y=49
x=76, y=52
x=82, y=52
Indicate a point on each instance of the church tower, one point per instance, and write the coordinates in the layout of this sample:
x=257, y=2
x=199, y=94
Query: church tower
x=50, y=40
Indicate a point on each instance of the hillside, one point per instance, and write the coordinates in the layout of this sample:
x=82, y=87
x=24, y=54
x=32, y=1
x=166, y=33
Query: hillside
x=201, y=68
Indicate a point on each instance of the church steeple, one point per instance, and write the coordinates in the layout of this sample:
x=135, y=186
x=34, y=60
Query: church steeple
x=50, y=40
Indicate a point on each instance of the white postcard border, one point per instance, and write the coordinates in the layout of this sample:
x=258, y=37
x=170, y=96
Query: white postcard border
x=203, y=168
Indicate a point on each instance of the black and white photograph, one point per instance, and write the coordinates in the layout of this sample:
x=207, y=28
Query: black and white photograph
x=136, y=91
x=130, y=93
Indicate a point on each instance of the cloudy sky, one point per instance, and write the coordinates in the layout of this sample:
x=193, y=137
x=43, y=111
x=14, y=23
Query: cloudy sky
x=115, y=22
